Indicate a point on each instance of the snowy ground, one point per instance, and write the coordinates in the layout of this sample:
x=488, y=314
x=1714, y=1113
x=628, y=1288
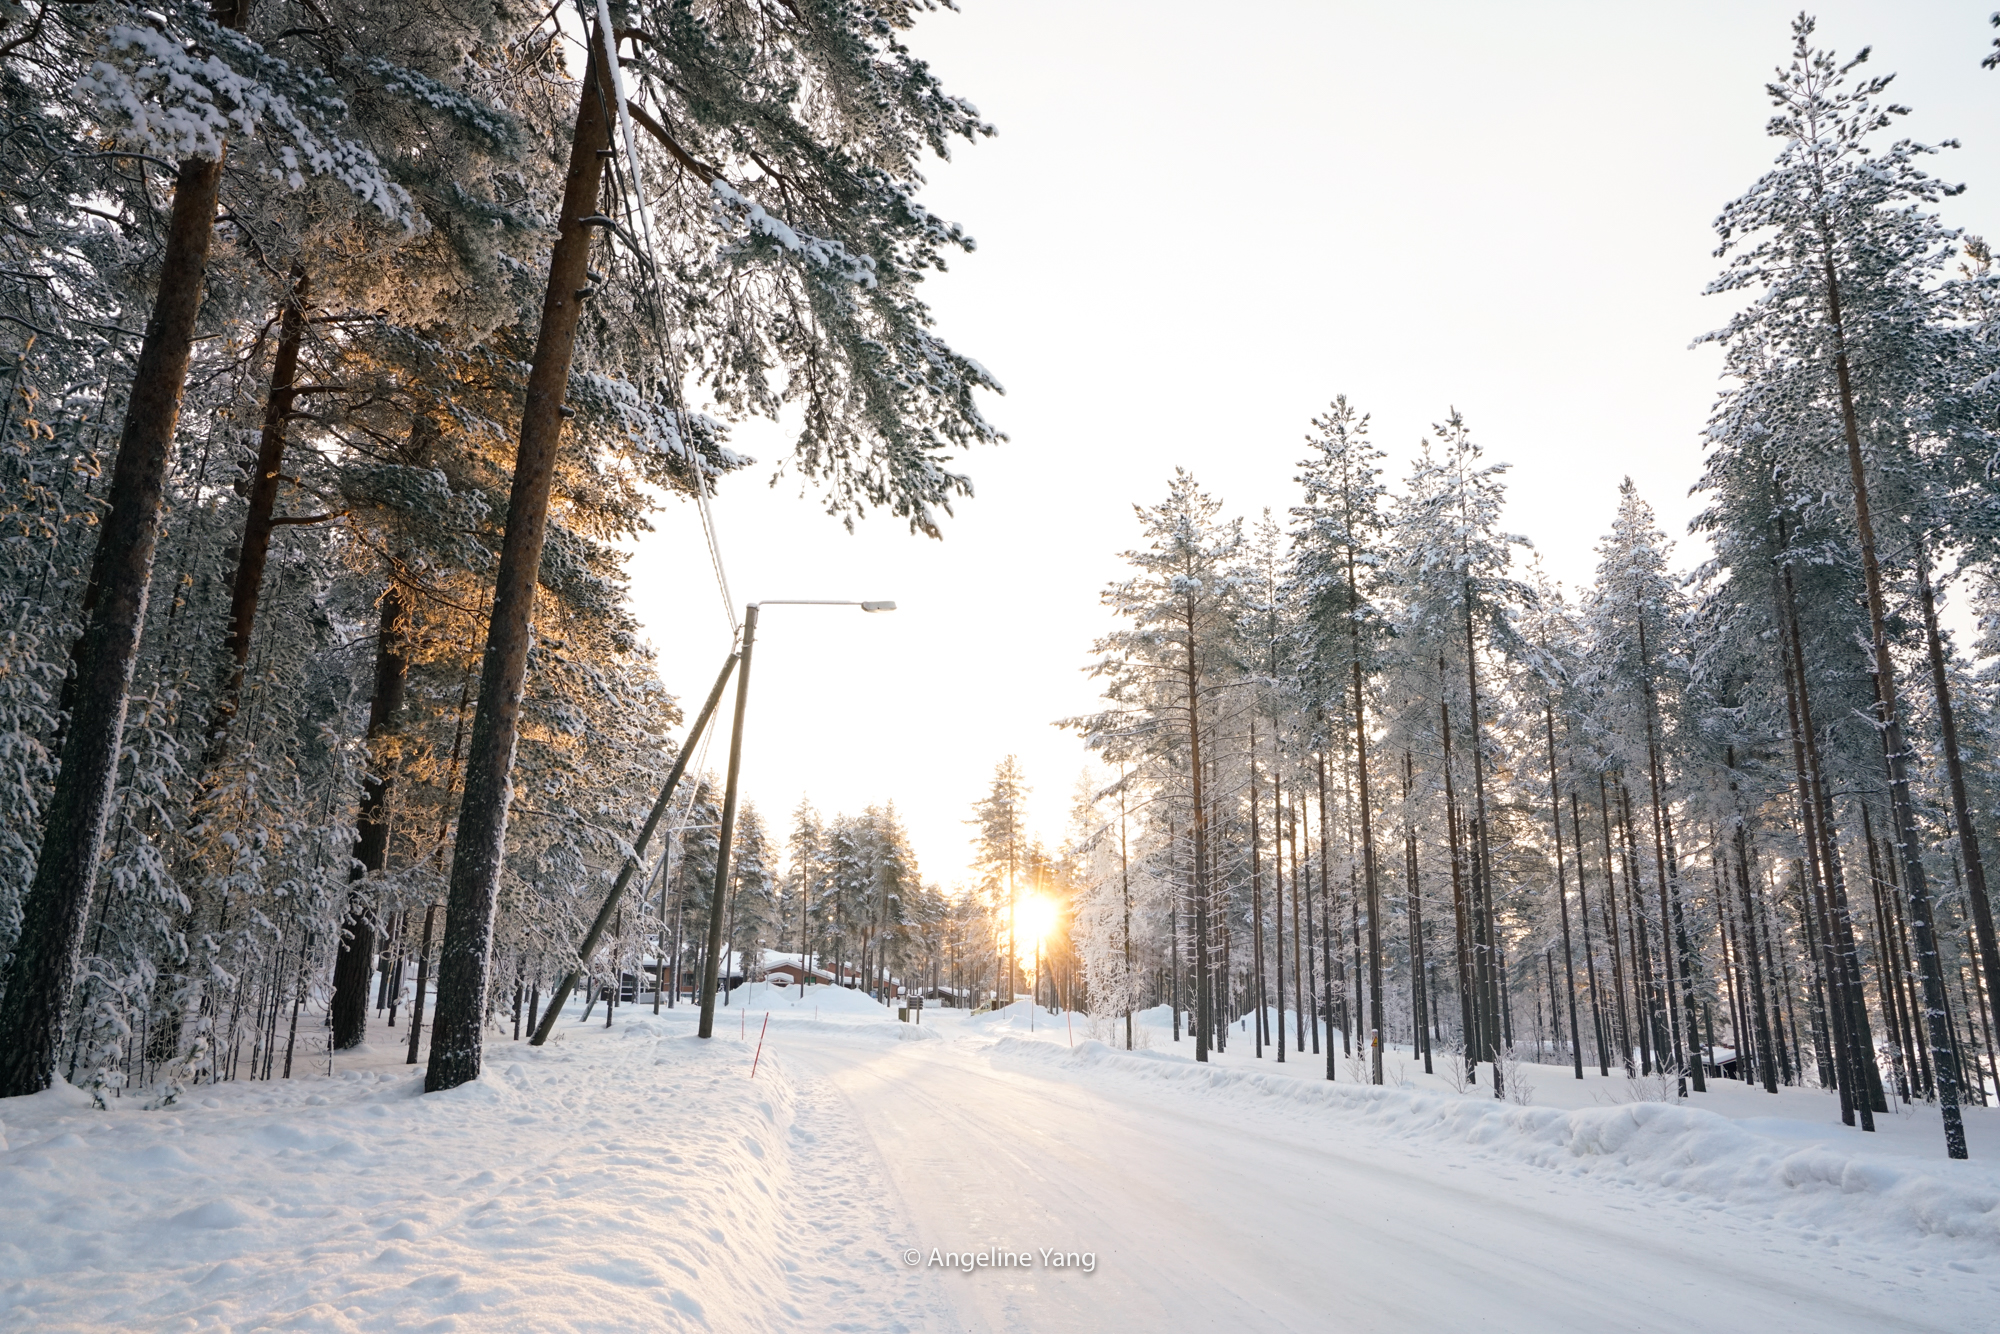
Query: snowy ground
x=635, y=1178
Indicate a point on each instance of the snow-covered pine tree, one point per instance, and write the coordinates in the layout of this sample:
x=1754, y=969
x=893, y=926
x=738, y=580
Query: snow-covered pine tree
x=1337, y=538
x=1555, y=636
x=1833, y=241
x=1000, y=839
x=752, y=906
x=1175, y=650
x=1636, y=619
x=1098, y=853
x=1454, y=597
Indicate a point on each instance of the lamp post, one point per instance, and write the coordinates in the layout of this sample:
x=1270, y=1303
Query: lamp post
x=711, y=969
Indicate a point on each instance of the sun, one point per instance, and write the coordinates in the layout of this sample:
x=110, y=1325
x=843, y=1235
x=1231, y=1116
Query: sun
x=1034, y=922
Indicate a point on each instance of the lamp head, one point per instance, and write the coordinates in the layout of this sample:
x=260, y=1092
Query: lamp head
x=878, y=606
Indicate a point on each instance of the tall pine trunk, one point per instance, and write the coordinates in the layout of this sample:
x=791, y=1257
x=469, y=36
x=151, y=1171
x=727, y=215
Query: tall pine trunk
x=1766, y=1062
x=480, y=848
x=1850, y=1026
x=1461, y=916
x=1613, y=934
x=1961, y=808
x=48, y=951
x=1125, y=894
x=1652, y=1034
x=1278, y=894
x=1669, y=873
x=1937, y=1005
x=1482, y=870
x=1589, y=950
x=1562, y=889
x=1257, y=978
x=1888, y=994
x=1301, y=931
x=259, y=520
x=1371, y=887
x=1200, y=832
x=1325, y=911
x=349, y=1007
x=1303, y=904
x=1419, y=1007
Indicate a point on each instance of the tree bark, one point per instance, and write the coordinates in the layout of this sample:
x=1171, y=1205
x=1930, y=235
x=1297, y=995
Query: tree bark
x=1915, y=1074
x=423, y=981
x=1813, y=827
x=1200, y=868
x=480, y=848
x=1419, y=1006
x=1461, y=916
x=1125, y=894
x=1766, y=1064
x=1823, y=1051
x=1369, y=882
x=1669, y=874
x=1256, y=897
x=1482, y=870
x=1589, y=952
x=1325, y=912
x=1840, y=921
x=1889, y=994
x=1611, y=928
x=1302, y=912
x=253, y=552
x=1278, y=896
x=1562, y=891
x=349, y=1007
x=1648, y=1005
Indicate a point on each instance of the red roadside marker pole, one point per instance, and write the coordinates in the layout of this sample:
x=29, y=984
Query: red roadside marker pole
x=760, y=1044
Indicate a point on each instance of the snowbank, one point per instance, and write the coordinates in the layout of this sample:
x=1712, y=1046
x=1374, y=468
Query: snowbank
x=1162, y=1017
x=1025, y=1017
x=1688, y=1150
x=631, y=1178
x=829, y=1001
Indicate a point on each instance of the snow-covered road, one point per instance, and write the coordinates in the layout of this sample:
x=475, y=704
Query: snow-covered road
x=636, y=1178
x=1207, y=1212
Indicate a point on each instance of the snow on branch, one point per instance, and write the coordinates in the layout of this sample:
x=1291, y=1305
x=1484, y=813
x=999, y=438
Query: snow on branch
x=182, y=97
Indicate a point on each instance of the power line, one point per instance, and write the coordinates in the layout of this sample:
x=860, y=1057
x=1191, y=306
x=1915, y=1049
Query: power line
x=639, y=232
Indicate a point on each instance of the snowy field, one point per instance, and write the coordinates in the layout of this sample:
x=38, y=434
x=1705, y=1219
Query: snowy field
x=634, y=1178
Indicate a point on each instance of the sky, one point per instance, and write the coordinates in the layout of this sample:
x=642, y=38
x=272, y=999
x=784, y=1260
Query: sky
x=1196, y=225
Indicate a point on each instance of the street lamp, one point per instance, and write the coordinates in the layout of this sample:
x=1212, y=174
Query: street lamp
x=711, y=969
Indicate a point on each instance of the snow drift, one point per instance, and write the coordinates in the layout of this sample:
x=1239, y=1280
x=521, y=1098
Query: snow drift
x=1687, y=1150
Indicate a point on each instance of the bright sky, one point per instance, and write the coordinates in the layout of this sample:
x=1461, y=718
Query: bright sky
x=1196, y=225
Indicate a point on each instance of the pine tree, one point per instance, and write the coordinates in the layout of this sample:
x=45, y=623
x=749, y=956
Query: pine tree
x=1000, y=841
x=1834, y=237
x=1180, y=610
x=1454, y=596
x=1637, y=666
x=1337, y=552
